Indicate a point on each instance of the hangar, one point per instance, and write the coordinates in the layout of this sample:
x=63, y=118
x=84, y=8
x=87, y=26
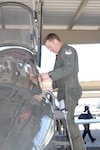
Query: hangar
x=75, y=21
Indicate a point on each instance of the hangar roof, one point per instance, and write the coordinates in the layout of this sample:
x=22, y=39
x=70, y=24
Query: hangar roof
x=76, y=21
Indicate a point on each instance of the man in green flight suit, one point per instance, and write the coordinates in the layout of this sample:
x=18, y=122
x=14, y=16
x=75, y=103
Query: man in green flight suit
x=65, y=78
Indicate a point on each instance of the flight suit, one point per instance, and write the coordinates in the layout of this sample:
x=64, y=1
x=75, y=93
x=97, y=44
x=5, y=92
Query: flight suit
x=65, y=78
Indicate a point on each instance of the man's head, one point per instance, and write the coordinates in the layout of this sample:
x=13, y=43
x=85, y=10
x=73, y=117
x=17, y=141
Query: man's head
x=86, y=108
x=53, y=42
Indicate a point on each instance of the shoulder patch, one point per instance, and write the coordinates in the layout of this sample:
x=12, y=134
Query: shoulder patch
x=68, y=51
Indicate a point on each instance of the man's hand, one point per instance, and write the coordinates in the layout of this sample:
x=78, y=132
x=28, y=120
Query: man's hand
x=24, y=116
x=45, y=82
x=44, y=76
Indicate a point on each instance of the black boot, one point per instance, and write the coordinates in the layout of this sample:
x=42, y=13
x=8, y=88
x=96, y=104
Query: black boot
x=93, y=139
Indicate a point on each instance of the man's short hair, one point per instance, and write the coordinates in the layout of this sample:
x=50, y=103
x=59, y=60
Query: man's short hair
x=51, y=36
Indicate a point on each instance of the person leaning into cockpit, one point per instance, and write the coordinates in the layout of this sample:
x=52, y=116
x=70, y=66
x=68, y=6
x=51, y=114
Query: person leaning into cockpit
x=65, y=77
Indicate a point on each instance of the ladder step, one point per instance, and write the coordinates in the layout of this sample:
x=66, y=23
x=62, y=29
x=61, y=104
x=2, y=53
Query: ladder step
x=59, y=114
x=61, y=141
x=62, y=136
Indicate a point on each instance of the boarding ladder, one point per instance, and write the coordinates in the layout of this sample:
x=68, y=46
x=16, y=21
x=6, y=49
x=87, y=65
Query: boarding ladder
x=62, y=138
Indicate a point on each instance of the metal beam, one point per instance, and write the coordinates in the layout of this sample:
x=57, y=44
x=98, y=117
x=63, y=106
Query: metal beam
x=87, y=86
x=76, y=36
x=2, y=19
x=90, y=85
x=91, y=95
x=78, y=13
x=69, y=37
x=87, y=121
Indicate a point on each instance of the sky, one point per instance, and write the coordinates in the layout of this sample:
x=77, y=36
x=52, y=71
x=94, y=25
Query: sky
x=89, y=60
